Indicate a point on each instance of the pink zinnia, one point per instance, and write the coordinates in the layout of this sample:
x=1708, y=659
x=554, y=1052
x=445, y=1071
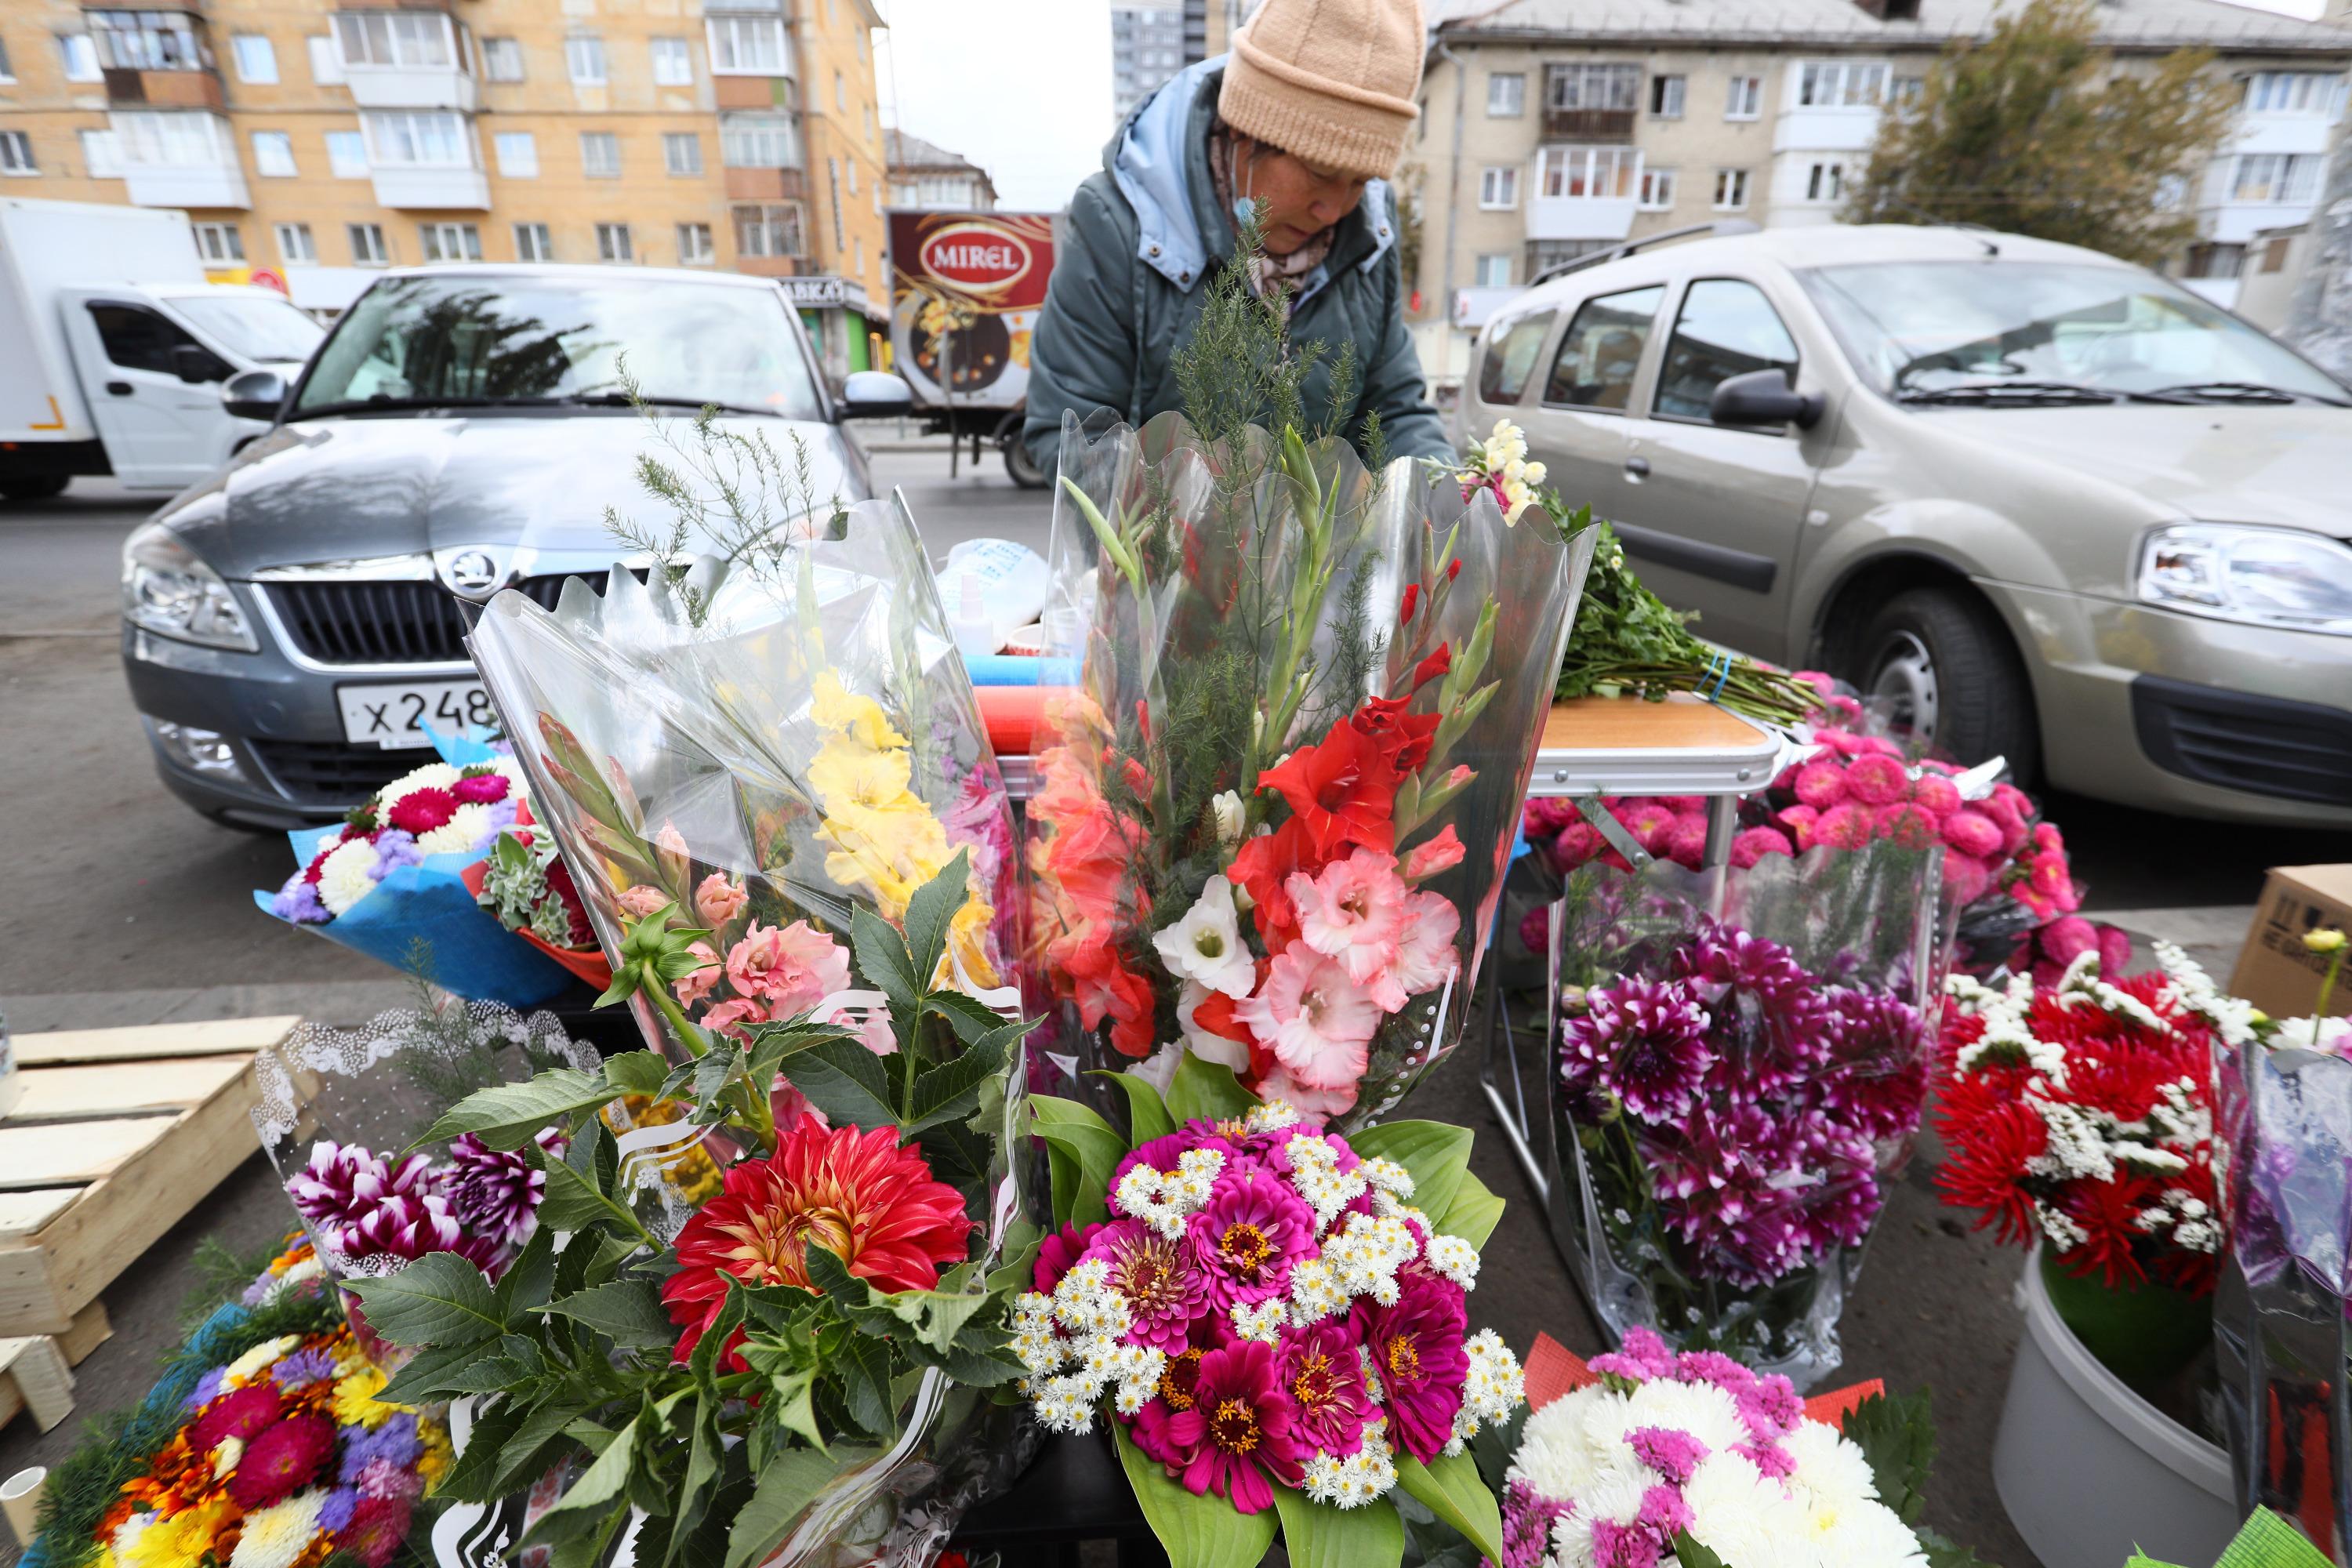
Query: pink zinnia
x=1876, y=780
x=1972, y=833
x=1241, y=1429
x=1059, y=1253
x=1821, y=784
x=1166, y=1288
x=719, y=899
x=1255, y=1227
x=1350, y=910
x=1324, y=1375
x=1318, y=1021
x=1417, y=1354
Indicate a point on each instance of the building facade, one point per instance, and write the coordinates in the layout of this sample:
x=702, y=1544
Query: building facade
x=929, y=177
x=1553, y=127
x=1151, y=40
x=313, y=141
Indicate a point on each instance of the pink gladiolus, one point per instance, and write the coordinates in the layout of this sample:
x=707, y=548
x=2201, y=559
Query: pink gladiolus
x=1442, y=853
x=1316, y=1104
x=1876, y=780
x=1751, y=844
x=1426, y=956
x=676, y=859
x=1316, y=1020
x=719, y=899
x=1845, y=827
x=1350, y=910
x=692, y=988
x=1821, y=784
x=1972, y=833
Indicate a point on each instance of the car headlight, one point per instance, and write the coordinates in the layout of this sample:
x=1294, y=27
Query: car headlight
x=167, y=591
x=2261, y=576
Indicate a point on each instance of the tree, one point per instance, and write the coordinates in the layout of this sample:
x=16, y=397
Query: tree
x=2036, y=130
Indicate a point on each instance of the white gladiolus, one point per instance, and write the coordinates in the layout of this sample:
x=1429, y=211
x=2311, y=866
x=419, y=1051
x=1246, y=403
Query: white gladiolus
x=1206, y=945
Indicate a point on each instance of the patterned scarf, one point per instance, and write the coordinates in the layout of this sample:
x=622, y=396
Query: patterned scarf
x=1265, y=271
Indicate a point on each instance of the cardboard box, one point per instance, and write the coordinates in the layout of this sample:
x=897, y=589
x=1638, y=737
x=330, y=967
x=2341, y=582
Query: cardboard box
x=2273, y=971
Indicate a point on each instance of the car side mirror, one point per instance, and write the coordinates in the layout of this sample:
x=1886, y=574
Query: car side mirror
x=255, y=394
x=876, y=395
x=196, y=366
x=1764, y=397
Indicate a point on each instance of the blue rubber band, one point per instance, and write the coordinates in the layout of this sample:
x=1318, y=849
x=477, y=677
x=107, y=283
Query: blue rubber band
x=1721, y=671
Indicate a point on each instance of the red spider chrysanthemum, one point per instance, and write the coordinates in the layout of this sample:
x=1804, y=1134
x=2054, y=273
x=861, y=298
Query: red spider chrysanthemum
x=1984, y=1166
x=856, y=1194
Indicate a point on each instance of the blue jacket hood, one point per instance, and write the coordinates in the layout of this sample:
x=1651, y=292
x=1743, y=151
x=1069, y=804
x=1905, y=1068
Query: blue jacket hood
x=1157, y=154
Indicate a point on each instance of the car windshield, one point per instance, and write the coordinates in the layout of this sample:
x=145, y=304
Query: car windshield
x=252, y=326
x=472, y=339
x=1925, y=327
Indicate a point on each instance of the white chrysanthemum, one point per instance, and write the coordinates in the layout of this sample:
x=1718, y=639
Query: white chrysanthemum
x=1870, y=1535
x=466, y=827
x=1614, y=1495
x=241, y=1371
x=274, y=1537
x=1741, y=1516
x=432, y=775
x=1705, y=1411
x=346, y=876
x=1831, y=1471
x=1556, y=1454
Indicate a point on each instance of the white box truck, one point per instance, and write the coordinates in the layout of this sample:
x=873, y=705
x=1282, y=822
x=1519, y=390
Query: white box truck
x=115, y=346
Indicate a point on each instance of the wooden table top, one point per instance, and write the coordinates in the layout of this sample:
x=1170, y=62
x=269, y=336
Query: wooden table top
x=1681, y=722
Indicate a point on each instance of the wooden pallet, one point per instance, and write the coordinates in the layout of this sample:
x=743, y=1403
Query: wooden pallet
x=118, y=1135
x=37, y=1370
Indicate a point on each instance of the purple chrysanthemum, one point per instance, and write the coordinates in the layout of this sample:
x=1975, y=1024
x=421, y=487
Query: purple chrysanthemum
x=1876, y=1081
x=336, y=1511
x=496, y=1191
x=1528, y=1519
x=395, y=1443
x=1642, y=1042
x=1167, y=1290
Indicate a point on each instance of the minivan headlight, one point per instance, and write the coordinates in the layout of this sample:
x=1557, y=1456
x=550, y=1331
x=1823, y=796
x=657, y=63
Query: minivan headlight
x=167, y=591
x=2261, y=576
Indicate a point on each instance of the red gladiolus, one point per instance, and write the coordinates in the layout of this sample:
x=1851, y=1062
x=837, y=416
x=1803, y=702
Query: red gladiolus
x=1412, y=603
x=1104, y=987
x=1435, y=666
x=1342, y=789
x=856, y=1194
x=1454, y=569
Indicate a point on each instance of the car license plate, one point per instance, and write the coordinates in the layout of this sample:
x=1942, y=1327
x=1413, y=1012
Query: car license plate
x=396, y=714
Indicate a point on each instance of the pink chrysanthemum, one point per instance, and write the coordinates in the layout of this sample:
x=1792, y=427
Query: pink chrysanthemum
x=285, y=1456
x=1821, y=784
x=1972, y=833
x=1753, y=844
x=1876, y=780
x=481, y=789
x=420, y=811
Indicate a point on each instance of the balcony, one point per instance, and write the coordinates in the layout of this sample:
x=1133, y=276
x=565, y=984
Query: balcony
x=1584, y=193
x=434, y=187
x=404, y=59
x=178, y=158
x=1821, y=129
x=402, y=87
x=766, y=186
x=1589, y=125
x=164, y=88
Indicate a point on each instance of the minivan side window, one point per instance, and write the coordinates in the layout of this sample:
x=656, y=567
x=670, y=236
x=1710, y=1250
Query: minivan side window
x=1511, y=358
x=140, y=340
x=1602, y=349
x=1726, y=328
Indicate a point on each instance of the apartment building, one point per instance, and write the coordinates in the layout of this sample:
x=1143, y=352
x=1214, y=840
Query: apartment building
x=1553, y=127
x=313, y=141
x=928, y=176
x=1151, y=40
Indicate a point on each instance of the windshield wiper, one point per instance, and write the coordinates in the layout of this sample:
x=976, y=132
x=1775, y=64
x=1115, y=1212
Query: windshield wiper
x=2006, y=394
x=2238, y=392
x=621, y=400
x=382, y=403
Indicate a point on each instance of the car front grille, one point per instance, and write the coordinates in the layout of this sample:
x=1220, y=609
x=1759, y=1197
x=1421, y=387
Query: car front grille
x=2293, y=751
x=383, y=623
x=330, y=772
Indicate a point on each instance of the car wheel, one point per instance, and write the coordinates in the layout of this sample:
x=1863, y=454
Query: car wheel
x=1018, y=463
x=1940, y=665
x=33, y=487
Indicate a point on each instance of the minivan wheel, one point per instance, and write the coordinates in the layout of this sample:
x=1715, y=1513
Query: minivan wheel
x=1942, y=665
x=33, y=487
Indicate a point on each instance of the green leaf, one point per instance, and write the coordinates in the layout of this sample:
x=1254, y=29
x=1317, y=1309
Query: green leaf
x=537, y=1441
x=883, y=960
x=573, y=1201
x=950, y=1091
x=969, y=1017
x=439, y=1300
x=771, y=1043
x=494, y=1428
x=701, y=1476
x=788, y=1483
x=1317, y=1535
x=636, y=1072
x=929, y=914
x=846, y=1081
x=1436, y=1153
x=530, y=1277
x=1195, y=1532
x=1473, y=1212
x=602, y=1481
x=1691, y=1554
x=1147, y=1113
x=584, y=1549
x=866, y=1384
x=422, y=1380
x=1897, y=1436
x=628, y=1311
x=1451, y=1489
x=506, y=1115
x=1203, y=1088
x=1090, y=1141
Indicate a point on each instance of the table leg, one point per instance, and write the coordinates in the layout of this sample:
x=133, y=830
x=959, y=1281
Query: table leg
x=1715, y=860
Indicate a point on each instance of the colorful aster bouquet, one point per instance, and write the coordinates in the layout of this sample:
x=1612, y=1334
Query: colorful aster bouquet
x=1272, y=818
x=1733, y=1094
x=262, y=1445
x=389, y=882
x=1650, y=1458
x=1272, y=1320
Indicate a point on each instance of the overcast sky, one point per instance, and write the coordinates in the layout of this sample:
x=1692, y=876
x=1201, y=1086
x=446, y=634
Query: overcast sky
x=1020, y=87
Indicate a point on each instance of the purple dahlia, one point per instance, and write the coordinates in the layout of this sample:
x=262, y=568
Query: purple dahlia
x=1643, y=1042
x=496, y=1192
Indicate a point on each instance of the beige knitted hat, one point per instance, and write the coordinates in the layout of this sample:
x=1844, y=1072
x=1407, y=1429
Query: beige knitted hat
x=1330, y=81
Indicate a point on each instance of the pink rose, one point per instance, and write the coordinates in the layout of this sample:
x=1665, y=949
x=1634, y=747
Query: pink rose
x=1821, y=784
x=693, y=987
x=1935, y=795
x=1877, y=780
x=1799, y=822
x=1442, y=853
x=1972, y=833
x=719, y=901
x=1751, y=844
x=640, y=901
x=1966, y=877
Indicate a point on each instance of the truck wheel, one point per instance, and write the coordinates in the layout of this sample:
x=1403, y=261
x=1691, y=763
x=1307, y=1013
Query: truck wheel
x=1017, y=460
x=32, y=487
x=1941, y=661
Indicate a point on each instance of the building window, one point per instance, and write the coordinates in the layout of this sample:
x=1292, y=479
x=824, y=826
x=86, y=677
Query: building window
x=1592, y=86
x=2276, y=178
x=219, y=242
x=154, y=140
x=2293, y=92
x=257, y=60
x=347, y=156
x=1747, y=98
x=772, y=230
x=16, y=154
x=1730, y=190
x=673, y=66
x=694, y=247
x=273, y=155
x=1904, y=90
x=295, y=243
x=450, y=241
x=584, y=56
x=2276, y=252
x=852, y=173
x=1602, y=350
x=101, y=158
x=2211, y=260
x=600, y=156
x=749, y=46
x=80, y=57
x=368, y=248
x=5, y=74
x=502, y=60
x=533, y=243
x=682, y=153
x=517, y=153
x=1493, y=271
x=1657, y=190
x=1841, y=84
x=326, y=65
x=1825, y=181
x=395, y=40
x=1506, y=95
x=418, y=139
x=1498, y=187
x=1587, y=174
x=758, y=142
x=145, y=41
x=612, y=243
x=1666, y=97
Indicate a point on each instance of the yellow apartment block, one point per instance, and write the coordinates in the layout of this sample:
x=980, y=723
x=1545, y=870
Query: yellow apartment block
x=313, y=141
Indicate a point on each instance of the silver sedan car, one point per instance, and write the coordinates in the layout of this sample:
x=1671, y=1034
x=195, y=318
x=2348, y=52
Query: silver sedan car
x=2045, y=504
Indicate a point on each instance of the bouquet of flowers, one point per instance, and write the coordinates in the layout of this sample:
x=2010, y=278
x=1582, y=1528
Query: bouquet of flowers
x=1273, y=815
x=263, y=1446
x=1268, y=1320
x=1733, y=1093
x=1656, y=1459
x=389, y=882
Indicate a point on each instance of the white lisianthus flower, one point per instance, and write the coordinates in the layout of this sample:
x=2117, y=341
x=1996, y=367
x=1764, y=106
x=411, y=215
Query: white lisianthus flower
x=346, y=876
x=1207, y=944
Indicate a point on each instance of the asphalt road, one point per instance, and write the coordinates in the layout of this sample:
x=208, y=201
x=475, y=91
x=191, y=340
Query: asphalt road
x=124, y=908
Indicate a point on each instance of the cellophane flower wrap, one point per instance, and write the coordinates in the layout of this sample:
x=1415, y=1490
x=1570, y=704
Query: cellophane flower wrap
x=1272, y=816
x=1734, y=1091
